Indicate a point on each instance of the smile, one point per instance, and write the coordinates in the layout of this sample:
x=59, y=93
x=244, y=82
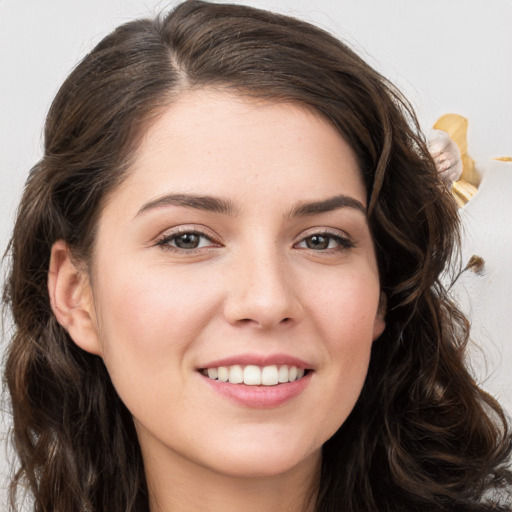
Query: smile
x=252, y=375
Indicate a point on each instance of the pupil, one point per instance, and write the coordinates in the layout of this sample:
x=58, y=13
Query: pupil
x=187, y=241
x=317, y=242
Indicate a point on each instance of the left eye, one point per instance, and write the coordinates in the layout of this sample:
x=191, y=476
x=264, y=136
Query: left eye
x=186, y=240
x=323, y=241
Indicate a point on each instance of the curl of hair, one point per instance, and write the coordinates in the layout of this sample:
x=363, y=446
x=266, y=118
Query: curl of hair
x=422, y=436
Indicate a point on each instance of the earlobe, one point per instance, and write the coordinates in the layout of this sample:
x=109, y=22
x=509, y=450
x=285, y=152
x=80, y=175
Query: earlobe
x=380, y=322
x=71, y=298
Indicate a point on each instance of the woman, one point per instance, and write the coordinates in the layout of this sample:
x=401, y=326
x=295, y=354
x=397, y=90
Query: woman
x=225, y=293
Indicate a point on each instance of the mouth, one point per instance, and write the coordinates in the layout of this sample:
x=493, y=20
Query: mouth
x=253, y=375
x=258, y=381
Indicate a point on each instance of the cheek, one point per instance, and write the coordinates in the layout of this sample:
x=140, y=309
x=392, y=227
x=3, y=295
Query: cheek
x=147, y=322
x=345, y=316
x=345, y=308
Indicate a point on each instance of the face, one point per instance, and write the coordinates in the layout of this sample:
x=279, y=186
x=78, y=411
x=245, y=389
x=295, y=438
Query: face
x=235, y=286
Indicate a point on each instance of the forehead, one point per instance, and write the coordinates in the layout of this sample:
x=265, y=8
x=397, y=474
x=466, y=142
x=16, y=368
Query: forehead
x=217, y=143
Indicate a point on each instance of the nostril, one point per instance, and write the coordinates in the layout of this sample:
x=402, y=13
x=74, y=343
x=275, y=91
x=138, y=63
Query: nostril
x=245, y=321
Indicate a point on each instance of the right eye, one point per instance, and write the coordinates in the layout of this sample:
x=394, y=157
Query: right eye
x=186, y=241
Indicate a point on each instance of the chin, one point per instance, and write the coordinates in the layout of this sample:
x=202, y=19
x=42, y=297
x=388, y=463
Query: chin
x=255, y=460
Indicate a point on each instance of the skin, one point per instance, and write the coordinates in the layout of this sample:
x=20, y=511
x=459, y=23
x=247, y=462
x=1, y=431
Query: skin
x=255, y=284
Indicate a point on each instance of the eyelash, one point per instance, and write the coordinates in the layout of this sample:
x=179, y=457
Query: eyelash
x=166, y=240
x=343, y=243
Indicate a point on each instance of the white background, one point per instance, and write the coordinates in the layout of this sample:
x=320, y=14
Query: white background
x=446, y=55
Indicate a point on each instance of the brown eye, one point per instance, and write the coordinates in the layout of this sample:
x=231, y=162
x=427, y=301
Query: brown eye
x=187, y=241
x=325, y=242
x=317, y=242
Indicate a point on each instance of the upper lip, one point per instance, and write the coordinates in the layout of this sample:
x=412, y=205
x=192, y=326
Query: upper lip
x=259, y=360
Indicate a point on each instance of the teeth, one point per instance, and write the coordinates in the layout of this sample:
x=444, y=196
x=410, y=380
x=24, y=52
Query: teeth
x=236, y=374
x=269, y=376
x=282, y=375
x=223, y=373
x=253, y=375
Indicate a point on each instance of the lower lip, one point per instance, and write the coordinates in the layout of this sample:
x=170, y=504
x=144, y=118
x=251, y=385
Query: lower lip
x=260, y=397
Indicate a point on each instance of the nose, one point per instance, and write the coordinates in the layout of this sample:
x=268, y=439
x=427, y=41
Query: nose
x=262, y=293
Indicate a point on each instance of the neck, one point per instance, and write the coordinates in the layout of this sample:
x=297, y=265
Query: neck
x=182, y=486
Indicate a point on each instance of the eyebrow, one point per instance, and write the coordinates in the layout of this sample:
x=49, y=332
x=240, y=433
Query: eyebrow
x=227, y=207
x=327, y=205
x=198, y=202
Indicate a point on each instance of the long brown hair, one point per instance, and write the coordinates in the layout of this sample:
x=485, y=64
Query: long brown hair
x=422, y=436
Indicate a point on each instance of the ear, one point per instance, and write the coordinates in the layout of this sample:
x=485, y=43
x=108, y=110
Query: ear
x=71, y=298
x=380, y=323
